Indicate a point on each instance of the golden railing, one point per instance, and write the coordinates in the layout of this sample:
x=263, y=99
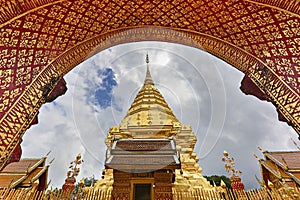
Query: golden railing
x=199, y=194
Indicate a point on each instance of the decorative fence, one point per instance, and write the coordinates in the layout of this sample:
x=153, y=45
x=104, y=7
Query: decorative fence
x=93, y=194
x=256, y=194
x=32, y=194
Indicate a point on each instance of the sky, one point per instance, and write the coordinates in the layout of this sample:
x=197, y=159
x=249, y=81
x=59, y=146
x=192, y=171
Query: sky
x=202, y=90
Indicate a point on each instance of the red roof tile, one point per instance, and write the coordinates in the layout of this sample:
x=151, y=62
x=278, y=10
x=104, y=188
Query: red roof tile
x=18, y=173
x=20, y=167
x=292, y=158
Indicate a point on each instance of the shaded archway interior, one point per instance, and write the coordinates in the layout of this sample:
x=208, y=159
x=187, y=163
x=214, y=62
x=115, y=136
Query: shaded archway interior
x=46, y=39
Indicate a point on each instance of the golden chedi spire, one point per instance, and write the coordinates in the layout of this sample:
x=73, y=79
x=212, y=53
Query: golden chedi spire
x=148, y=79
x=149, y=108
x=150, y=117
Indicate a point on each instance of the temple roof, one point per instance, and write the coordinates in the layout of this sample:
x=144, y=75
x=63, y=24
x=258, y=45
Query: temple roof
x=149, y=107
x=283, y=164
x=23, y=173
x=23, y=166
x=143, y=154
x=288, y=159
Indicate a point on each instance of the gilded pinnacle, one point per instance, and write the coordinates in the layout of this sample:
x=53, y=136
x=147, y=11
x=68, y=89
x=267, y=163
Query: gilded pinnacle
x=147, y=58
x=149, y=106
x=148, y=79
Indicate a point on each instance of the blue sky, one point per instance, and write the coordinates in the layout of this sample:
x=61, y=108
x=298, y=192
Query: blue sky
x=101, y=92
x=202, y=91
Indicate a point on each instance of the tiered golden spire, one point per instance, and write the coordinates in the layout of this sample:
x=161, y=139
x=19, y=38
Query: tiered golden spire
x=148, y=79
x=150, y=117
x=149, y=107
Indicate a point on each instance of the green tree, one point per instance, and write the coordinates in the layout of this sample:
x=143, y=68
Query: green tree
x=215, y=179
x=90, y=181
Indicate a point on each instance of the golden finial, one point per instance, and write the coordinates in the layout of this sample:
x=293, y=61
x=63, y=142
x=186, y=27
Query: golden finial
x=223, y=184
x=147, y=58
x=51, y=161
x=148, y=79
x=256, y=156
x=46, y=156
x=263, y=151
x=270, y=184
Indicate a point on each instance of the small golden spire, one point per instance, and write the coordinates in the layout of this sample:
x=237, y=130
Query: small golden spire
x=148, y=79
x=256, y=156
x=263, y=151
x=147, y=58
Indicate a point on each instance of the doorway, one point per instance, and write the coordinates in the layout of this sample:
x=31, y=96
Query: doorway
x=142, y=191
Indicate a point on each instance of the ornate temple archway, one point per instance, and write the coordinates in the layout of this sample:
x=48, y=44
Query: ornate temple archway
x=42, y=40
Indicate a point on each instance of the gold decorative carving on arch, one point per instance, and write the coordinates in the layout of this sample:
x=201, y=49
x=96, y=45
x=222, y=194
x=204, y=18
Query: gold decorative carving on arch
x=292, y=6
x=41, y=40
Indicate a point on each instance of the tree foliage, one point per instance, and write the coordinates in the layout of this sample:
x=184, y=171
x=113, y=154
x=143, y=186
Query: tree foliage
x=87, y=182
x=216, y=180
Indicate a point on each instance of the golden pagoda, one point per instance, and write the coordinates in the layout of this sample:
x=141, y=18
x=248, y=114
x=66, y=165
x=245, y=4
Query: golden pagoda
x=151, y=147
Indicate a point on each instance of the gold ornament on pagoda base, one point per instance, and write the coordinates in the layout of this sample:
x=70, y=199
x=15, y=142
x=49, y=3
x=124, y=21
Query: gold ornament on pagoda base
x=106, y=183
x=189, y=176
x=150, y=132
